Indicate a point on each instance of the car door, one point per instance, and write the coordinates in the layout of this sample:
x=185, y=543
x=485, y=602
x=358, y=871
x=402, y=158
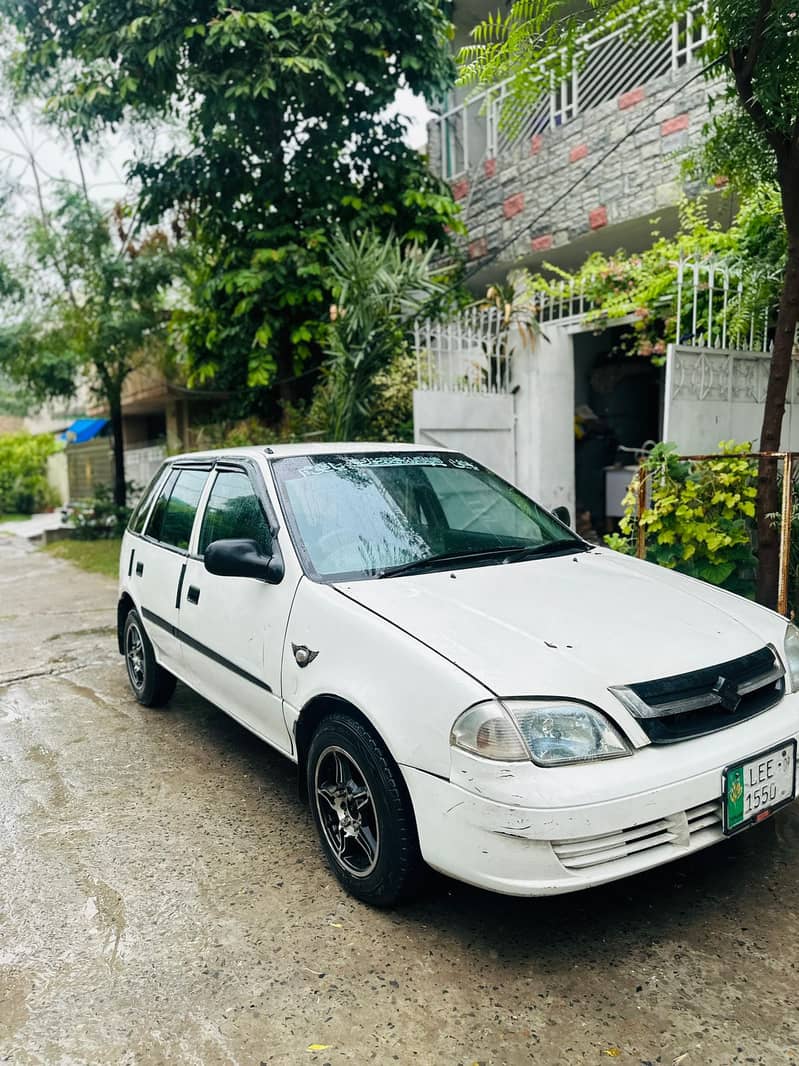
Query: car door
x=160, y=560
x=233, y=628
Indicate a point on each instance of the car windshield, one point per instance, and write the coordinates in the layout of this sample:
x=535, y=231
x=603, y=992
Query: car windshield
x=366, y=515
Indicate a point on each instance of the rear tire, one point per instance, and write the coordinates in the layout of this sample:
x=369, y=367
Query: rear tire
x=362, y=813
x=152, y=685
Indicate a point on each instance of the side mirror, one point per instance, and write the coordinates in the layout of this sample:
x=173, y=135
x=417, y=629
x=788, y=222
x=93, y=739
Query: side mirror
x=242, y=558
x=562, y=514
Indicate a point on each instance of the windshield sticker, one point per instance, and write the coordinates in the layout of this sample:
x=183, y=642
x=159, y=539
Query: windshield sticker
x=360, y=462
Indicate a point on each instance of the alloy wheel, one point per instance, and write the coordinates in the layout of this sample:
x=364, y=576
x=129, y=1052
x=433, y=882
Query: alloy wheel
x=346, y=811
x=134, y=656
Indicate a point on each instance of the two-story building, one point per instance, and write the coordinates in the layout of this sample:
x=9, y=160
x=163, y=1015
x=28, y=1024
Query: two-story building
x=539, y=182
x=593, y=164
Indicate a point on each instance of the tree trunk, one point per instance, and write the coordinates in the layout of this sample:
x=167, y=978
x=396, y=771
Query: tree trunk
x=120, y=489
x=287, y=381
x=768, y=501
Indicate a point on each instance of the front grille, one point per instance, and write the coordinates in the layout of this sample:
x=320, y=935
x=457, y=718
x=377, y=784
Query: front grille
x=685, y=830
x=703, y=701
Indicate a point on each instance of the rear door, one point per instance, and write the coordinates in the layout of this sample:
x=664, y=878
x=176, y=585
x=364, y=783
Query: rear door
x=233, y=627
x=160, y=560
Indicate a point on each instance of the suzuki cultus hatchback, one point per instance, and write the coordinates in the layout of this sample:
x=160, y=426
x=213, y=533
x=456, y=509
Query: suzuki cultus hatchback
x=461, y=680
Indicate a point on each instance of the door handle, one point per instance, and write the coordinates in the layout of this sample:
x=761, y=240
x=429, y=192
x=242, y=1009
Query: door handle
x=139, y=569
x=180, y=585
x=193, y=595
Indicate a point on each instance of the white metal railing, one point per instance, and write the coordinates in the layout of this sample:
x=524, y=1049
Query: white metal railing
x=468, y=353
x=711, y=307
x=141, y=463
x=715, y=306
x=472, y=352
x=719, y=309
x=493, y=124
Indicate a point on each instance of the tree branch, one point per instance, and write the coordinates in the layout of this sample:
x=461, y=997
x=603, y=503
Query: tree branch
x=758, y=36
x=754, y=108
x=81, y=171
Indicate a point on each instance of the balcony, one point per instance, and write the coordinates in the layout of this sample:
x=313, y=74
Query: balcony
x=504, y=159
x=606, y=66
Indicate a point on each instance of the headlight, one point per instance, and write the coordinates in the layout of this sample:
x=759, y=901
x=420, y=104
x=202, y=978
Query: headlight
x=550, y=732
x=487, y=729
x=791, y=656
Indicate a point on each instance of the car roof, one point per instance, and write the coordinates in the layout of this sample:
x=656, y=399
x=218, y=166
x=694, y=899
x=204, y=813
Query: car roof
x=278, y=451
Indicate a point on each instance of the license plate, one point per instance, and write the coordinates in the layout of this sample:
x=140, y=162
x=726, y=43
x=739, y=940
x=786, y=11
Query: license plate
x=755, y=789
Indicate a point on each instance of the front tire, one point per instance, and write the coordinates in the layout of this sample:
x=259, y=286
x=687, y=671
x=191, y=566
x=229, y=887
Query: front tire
x=362, y=813
x=152, y=685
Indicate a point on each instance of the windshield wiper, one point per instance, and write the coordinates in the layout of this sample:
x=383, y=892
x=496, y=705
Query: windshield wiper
x=508, y=552
x=552, y=547
x=443, y=559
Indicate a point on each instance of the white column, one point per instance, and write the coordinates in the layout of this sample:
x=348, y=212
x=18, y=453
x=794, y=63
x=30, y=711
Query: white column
x=544, y=412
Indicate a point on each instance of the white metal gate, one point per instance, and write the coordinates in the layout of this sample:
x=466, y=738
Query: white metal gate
x=482, y=425
x=141, y=464
x=717, y=394
x=463, y=399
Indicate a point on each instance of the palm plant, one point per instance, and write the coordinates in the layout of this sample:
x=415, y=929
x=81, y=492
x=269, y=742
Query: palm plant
x=381, y=286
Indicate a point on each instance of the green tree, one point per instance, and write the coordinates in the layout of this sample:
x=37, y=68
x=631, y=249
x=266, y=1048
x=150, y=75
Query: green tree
x=87, y=306
x=754, y=44
x=282, y=135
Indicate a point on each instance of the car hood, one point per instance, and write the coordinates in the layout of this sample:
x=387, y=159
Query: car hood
x=569, y=625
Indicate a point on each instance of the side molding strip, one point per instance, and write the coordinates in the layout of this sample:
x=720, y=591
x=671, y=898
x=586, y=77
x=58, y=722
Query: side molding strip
x=203, y=649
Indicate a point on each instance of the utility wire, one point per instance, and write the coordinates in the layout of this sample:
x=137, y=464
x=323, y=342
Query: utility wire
x=586, y=173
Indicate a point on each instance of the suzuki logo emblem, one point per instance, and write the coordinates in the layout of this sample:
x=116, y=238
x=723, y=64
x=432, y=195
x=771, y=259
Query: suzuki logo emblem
x=727, y=692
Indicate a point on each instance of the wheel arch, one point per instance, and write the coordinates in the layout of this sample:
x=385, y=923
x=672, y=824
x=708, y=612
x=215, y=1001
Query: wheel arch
x=124, y=607
x=313, y=712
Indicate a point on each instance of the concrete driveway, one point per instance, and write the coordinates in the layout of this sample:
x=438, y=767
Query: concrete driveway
x=163, y=901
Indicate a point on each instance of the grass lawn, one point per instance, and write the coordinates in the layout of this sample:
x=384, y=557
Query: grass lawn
x=96, y=556
x=14, y=517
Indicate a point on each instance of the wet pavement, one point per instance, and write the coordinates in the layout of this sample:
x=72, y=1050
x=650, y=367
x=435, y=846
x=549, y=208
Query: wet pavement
x=163, y=901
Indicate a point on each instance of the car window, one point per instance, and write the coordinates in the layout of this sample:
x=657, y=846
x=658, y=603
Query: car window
x=233, y=511
x=359, y=515
x=173, y=514
x=139, y=516
x=157, y=514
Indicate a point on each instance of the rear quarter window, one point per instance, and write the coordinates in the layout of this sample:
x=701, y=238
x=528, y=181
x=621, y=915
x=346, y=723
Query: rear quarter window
x=173, y=515
x=142, y=508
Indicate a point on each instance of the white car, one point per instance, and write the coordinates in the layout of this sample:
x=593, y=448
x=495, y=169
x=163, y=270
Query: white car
x=462, y=681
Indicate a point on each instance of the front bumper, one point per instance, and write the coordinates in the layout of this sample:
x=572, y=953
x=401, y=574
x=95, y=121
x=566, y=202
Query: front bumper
x=538, y=850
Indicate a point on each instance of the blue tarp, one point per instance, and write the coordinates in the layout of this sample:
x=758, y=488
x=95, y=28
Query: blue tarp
x=83, y=429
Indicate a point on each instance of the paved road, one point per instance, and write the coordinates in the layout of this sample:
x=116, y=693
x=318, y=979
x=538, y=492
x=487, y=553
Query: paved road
x=162, y=901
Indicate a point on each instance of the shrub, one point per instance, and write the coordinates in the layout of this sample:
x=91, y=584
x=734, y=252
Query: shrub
x=99, y=518
x=23, y=473
x=299, y=423
x=387, y=413
x=700, y=516
x=391, y=413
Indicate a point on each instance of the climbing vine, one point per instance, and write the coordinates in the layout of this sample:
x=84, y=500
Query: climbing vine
x=699, y=516
x=643, y=286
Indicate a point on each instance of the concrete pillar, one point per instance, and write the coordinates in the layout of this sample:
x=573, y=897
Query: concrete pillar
x=543, y=376
x=173, y=428
x=58, y=475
